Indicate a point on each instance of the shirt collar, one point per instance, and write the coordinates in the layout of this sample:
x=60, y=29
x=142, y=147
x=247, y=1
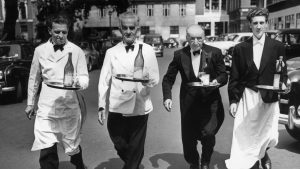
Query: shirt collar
x=259, y=41
x=193, y=51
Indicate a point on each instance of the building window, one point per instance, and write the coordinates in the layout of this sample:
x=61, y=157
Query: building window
x=182, y=9
x=253, y=2
x=134, y=9
x=223, y=5
x=298, y=20
x=150, y=10
x=207, y=4
x=174, y=29
x=145, y=30
x=22, y=10
x=102, y=12
x=215, y=5
x=166, y=9
x=289, y=21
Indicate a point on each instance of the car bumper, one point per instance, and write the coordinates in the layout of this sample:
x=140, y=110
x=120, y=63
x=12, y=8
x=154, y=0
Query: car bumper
x=291, y=119
x=6, y=89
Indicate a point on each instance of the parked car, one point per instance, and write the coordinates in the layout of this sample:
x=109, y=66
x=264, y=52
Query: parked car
x=156, y=41
x=91, y=54
x=15, y=62
x=171, y=43
x=290, y=102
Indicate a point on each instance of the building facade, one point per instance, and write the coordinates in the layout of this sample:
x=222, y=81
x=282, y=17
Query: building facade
x=25, y=25
x=283, y=14
x=166, y=17
x=237, y=11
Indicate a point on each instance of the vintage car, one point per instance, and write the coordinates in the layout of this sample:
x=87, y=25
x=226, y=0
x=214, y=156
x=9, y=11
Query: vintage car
x=91, y=54
x=289, y=102
x=15, y=62
x=156, y=41
x=171, y=43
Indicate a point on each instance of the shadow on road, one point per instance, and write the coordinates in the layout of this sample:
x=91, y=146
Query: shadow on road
x=176, y=161
x=113, y=163
x=286, y=143
x=66, y=165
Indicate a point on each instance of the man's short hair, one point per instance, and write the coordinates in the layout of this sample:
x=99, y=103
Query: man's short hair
x=130, y=15
x=59, y=18
x=258, y=12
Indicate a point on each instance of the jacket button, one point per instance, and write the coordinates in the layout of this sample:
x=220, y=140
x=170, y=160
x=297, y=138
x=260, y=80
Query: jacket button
x=133, y=91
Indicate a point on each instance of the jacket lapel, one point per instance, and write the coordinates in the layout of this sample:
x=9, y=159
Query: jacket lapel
x=57, y=56
x=265, y=55
x=186, y=61
x=205, y=58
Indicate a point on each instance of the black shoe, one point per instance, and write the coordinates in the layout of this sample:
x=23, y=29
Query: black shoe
x=266, y=162
x=194, y=166
x=204, y=165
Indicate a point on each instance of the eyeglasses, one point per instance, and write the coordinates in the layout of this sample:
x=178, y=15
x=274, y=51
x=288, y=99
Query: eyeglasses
x=58, y=32
x=130, y=27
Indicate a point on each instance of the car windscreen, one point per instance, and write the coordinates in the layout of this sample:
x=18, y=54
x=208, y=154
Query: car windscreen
x=152, y=40
x=4, y=51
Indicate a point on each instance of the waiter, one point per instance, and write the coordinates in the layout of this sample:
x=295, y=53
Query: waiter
x=129, y=103
x=256, y=111
x=58, y=112
x=202, y=112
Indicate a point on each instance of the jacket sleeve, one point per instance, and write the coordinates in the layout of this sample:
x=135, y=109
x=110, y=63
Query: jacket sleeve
x=220, y=68
x=34, y=80
x=170, y=77
x=82, y=72
x=234, y=86
x=104, y=79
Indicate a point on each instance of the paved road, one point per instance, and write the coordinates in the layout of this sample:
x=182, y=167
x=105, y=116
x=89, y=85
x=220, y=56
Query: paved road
x=163, y=148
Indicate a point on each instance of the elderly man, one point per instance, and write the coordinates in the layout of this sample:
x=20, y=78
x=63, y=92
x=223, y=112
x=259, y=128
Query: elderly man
x=256, y=112
x=202, y=112
x=129, y=101
x=59, y=114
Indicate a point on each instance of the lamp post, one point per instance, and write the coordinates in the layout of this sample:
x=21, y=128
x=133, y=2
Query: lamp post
x=109, y=14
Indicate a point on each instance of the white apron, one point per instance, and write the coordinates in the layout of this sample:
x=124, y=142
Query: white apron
x=58, y=117
x=255, y=128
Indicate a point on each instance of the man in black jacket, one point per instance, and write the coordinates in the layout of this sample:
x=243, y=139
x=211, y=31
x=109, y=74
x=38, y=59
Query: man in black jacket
x=202, y=110
x=256, y=111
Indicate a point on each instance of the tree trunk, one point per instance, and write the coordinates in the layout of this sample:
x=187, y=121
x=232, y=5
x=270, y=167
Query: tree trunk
x=12, y=13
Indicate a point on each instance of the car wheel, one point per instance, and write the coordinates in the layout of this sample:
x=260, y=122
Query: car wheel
x=90, y=66
x=295, y=133
x=18, y=93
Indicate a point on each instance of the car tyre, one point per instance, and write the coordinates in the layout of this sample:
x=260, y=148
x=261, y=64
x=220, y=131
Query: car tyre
x=295, y=133
x=18, y=93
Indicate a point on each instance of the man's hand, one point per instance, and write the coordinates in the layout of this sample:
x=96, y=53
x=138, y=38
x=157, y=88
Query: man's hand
x=168, y=104
x=233, y=108
x=101, y=116
x=215, y=82
x=30, y=111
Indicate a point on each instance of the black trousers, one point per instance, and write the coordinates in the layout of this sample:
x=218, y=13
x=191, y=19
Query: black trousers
x=201, y=123
x=49, y=158
x=128, y=135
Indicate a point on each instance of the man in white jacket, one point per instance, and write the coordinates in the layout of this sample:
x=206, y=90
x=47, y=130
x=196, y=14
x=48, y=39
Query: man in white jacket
x=129, y=101
x=59, y=114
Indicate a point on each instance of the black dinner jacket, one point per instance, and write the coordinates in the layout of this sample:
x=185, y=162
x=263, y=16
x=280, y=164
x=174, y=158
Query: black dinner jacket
x=245, y=74
x=182, y=63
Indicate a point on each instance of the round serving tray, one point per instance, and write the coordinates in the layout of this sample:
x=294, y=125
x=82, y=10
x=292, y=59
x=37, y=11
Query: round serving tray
x=199, y=84
x=125, y=77
x=268, y=87
x=61, y=86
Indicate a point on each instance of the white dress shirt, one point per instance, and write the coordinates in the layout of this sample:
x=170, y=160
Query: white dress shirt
x=196, y=62
x=126, y=97
x=258, y=46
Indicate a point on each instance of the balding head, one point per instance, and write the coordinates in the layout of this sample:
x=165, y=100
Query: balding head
x=195, y=36
x=129, y=27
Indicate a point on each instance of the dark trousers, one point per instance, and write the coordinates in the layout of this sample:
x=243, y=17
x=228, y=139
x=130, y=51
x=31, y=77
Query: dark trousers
x=201, y=123
x=49, y=158
x=128, y=135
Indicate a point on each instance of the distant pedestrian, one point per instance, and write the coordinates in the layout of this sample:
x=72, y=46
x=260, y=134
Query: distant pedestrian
x=129, y=102
x=256, y=112
x=59, y=113
x=202, y=112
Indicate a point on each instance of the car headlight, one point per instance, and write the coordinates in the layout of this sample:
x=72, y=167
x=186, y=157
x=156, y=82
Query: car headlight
x=1, y=74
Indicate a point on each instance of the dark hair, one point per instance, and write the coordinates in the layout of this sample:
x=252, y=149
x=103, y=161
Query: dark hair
x=258, y=12
x=59, y=18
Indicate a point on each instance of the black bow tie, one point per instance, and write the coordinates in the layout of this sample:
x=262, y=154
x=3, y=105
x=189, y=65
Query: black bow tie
x=131, y=47
x=196, y=52
x=58, y=47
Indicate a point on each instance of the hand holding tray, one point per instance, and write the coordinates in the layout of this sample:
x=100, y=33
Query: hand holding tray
x=130, y=78
x=61, y=86
x=270, y=88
